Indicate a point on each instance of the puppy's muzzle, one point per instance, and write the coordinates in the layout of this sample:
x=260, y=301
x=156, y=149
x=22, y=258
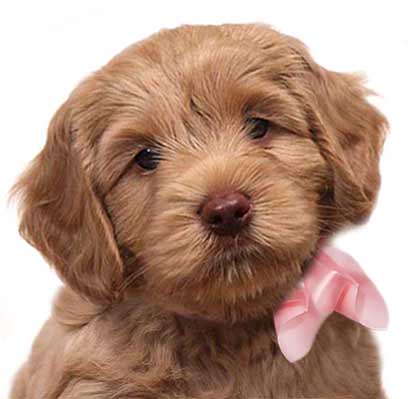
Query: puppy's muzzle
x=226, y=213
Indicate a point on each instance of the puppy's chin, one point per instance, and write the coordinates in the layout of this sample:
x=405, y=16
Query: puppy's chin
x=241, y=284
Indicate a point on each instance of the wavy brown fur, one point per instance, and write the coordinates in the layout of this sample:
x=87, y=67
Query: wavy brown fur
x=154, y=305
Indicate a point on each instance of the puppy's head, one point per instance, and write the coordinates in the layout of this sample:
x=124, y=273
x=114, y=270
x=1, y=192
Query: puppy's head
x=201, y=168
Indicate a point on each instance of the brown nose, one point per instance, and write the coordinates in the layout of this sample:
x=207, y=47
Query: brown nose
x=226, y=213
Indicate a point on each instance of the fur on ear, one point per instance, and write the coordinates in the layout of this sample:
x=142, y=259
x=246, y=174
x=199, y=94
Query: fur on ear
x=348, y=129
x=351, y=134
x=62, y=217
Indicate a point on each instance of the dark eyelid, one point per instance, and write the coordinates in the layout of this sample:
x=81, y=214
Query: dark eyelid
x=275, y=124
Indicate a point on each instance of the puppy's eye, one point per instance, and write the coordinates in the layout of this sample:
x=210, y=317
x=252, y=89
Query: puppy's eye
x=148, y=158
x=258, y=128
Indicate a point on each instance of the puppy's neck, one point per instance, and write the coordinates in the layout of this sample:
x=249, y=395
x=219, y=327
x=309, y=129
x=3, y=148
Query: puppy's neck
x=247, y=341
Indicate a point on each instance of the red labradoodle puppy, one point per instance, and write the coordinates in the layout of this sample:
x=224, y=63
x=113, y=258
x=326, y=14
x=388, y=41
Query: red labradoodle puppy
x=181, y=194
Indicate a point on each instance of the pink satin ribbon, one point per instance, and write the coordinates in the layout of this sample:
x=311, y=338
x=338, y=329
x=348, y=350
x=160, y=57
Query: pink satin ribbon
x=335, y=282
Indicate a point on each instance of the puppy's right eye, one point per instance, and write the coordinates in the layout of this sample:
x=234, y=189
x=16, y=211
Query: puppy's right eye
x=148, y=158
x=258, y=128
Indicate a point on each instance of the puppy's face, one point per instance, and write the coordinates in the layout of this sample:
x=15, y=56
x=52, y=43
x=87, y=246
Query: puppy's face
x=217, y=180
x=200, y=169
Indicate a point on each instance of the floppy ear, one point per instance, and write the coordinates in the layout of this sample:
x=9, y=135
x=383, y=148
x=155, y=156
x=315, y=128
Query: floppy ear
x=350, y=132
x=348, y=129
x=62, y=217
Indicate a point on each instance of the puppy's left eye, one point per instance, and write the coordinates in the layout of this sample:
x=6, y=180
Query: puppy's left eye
x=148, y=158
x=258, y=128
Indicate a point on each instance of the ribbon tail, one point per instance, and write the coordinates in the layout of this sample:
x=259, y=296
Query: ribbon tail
x=296, y=338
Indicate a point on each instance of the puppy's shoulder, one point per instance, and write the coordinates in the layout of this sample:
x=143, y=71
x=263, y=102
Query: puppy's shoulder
x=72, y=310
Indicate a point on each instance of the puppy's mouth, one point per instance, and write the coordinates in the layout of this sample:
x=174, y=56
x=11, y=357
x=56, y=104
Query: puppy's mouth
x=233, y=243
x=240, y=251
x=235, y=246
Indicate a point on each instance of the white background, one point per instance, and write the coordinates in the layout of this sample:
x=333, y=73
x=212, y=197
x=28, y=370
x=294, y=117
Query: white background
x=46, y=47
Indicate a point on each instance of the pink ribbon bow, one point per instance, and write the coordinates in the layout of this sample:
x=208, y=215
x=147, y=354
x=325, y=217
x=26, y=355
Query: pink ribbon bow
x=334, y=283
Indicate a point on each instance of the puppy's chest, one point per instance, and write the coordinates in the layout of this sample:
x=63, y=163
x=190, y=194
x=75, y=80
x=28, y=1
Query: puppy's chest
x=235, y=366
x=166, y=359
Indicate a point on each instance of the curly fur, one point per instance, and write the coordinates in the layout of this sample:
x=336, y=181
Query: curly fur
x=155, y=306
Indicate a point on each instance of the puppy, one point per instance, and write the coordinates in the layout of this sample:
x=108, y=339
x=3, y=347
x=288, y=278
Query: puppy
x=183, y=190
